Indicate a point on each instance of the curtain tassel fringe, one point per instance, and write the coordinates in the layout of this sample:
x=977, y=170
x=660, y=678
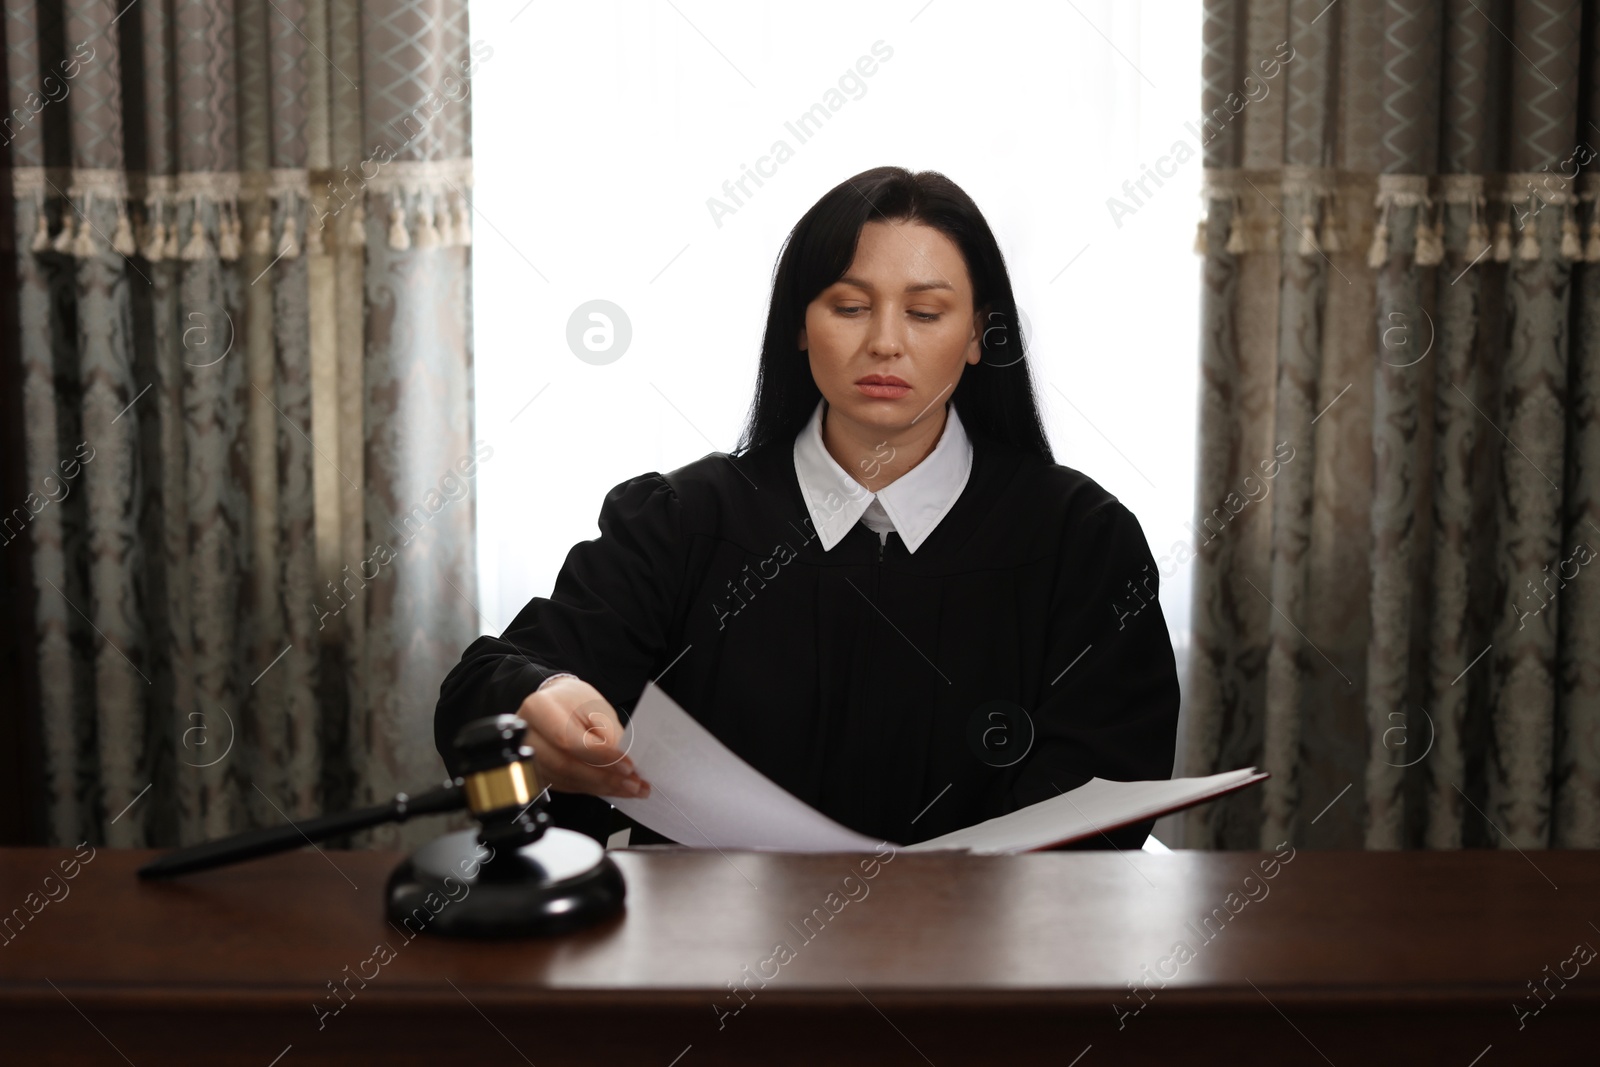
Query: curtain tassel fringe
x=1528, y=247
x=63, y=241
x=1378, y=253
x=1236, y=243
x=1308, y=235
x=41, y=233
x=261, y=239
x=1477, y=237
x=399, y=239
x=355, y=235
x=463, y=223
x=289, y=243
x=1502, y=241
x=150, y=238
x=230, y=234
x=1200, y=238
x=198, y=246
x=1591, y=251
x=169, y=247
x=1430, y=242
x=446, y=224
x=1571, y=246
x=427, y=233
x=83, y=245
x=1329, y=237
x=122, y=237
x=314, y=240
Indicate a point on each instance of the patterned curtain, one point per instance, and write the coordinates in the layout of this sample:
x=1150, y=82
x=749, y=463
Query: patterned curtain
x=245, y=349
x=1399, y=487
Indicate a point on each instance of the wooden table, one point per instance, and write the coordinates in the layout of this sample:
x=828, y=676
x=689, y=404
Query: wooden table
x=1349, y=958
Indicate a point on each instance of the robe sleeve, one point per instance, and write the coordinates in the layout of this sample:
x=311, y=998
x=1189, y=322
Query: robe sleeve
x=607, y=620
x=1110, y=699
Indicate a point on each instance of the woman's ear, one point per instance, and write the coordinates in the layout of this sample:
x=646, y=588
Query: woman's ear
x=802, y=342
x=975, y=342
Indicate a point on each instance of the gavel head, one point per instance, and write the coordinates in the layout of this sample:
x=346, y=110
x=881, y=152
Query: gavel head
x=501, y=785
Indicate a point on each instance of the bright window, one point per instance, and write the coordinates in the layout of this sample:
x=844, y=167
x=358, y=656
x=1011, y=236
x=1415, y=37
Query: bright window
x=602, y=129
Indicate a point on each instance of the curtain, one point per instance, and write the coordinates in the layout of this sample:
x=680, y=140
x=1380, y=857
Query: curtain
x=1399, y=486
x=241, y=241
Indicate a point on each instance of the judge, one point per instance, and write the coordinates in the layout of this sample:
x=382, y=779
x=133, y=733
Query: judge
x=889, y=599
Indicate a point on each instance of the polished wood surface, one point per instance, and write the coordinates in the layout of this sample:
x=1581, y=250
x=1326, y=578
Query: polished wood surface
x=1344, y=958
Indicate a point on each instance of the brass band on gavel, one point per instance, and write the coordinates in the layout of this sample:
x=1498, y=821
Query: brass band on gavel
x=514, y=785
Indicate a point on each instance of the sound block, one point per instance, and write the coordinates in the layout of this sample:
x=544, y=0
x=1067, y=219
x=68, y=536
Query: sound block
x=457, y=886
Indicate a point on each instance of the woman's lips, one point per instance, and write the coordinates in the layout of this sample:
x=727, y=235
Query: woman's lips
x=883, y=392
x=883, y=386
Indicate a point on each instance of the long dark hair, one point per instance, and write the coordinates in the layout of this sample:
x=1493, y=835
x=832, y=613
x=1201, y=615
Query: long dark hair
x=995, y=398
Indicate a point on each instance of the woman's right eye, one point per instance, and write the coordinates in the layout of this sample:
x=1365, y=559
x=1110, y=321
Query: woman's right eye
x=853, y=307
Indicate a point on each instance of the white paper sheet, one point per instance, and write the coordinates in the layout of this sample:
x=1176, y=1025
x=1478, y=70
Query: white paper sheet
x=1087, y=810
x=704, y=796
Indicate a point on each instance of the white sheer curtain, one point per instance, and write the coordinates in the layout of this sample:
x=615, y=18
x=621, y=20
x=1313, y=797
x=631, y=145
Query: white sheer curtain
x=602, y=130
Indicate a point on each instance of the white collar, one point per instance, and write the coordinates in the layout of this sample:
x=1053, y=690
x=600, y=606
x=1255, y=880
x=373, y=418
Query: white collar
x=915, y=501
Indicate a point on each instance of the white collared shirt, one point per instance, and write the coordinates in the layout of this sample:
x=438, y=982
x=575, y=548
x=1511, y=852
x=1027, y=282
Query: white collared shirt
x=911, y=505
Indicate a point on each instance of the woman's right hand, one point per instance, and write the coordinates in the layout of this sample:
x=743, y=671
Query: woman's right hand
x=576, y=738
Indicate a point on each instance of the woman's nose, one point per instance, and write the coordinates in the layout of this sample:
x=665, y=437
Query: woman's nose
x=885, y=336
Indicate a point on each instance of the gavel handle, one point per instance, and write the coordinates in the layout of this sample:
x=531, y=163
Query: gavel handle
x=264, y=842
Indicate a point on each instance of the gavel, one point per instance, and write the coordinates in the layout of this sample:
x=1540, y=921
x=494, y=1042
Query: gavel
x=536, y=879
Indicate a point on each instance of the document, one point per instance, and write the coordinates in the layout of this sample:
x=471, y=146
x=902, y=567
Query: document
x=704, y=796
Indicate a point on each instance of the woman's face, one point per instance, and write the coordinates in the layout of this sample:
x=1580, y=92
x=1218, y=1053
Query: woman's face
x=902, y=313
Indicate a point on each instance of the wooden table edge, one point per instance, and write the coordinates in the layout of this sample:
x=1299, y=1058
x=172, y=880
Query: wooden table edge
x=25, y=995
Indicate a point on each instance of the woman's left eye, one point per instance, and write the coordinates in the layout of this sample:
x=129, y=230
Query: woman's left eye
x=850, y=310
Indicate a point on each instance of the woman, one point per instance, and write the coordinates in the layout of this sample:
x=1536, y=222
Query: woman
x=890, y=599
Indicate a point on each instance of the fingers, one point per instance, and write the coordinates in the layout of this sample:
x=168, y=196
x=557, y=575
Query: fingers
x=592, y=732
x=577, y=740
x=571, y=774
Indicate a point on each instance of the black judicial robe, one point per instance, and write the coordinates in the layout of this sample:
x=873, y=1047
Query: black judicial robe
x=1017, y=653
